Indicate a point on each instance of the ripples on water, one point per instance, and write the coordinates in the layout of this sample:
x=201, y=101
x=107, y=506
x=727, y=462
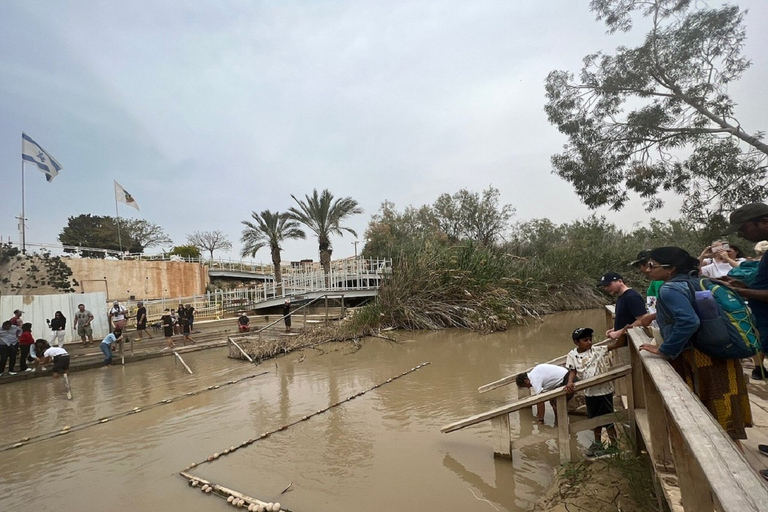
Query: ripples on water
x=379, y=452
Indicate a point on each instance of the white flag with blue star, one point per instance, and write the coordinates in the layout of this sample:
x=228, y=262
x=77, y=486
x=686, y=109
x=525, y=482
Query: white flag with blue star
x=122, y=196
x=33, y=153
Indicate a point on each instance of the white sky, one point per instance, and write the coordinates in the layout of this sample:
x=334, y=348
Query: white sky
x=207, y=111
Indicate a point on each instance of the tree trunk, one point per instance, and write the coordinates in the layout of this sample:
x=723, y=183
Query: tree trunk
x=325, y=261
x=277, y=270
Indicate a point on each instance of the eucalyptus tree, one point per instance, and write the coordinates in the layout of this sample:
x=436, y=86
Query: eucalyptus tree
x=659, y=116
x=270, y=229
x=323, y=215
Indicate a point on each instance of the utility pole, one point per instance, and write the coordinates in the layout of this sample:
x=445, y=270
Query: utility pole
x=355, y=244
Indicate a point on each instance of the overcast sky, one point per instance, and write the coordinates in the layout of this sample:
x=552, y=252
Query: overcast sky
x=207, y=111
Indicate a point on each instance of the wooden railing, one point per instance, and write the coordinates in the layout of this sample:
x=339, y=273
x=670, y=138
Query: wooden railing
x=697, y=465
x=499, y=417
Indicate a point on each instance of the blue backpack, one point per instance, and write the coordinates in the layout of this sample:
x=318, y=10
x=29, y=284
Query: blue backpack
x=728, y=329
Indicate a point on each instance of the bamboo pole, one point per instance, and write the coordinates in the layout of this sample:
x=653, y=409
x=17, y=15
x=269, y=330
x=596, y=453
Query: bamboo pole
x=249, y=358
x=224, y=492
x=182, y=361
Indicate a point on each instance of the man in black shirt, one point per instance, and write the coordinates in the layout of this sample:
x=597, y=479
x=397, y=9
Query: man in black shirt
x=629, y=304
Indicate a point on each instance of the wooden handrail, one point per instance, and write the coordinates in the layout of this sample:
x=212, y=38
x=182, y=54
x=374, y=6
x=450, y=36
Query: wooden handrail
x=612, y=374
x=509, y=379
x=705, y=457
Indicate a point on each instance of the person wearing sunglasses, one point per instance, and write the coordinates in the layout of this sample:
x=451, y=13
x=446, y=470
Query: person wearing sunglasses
x=715, y=381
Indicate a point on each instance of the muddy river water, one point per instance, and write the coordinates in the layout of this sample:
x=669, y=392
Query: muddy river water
x=381, y=451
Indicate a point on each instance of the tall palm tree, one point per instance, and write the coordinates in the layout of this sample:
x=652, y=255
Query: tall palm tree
x=323, y=214
x=270, y=229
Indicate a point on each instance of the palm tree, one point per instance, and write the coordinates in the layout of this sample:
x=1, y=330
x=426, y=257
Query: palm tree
x=270, y=229
x=323, y=214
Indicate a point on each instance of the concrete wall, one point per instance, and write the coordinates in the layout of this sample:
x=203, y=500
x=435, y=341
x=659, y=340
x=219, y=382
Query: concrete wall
x=143, y=279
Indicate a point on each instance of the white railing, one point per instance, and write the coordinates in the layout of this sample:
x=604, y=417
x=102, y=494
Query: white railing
x=347, y=276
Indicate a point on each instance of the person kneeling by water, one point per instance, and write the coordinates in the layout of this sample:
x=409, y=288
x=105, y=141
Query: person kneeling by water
x=58, y=355
x=544, y=377
x=244, y=323
x=108, y=345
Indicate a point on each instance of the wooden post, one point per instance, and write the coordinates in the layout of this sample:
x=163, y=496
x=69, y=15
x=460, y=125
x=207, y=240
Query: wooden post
x=694, y=487
x=501, y=436
x=631, y=408
x=657, y=418
x=67, y=387
x=563, y=434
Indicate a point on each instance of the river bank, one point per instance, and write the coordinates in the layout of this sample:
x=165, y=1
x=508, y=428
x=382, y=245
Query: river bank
x=601, y=485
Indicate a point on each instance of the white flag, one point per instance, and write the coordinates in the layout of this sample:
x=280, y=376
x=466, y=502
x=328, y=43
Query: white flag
x=122, y=195
x=32, y=152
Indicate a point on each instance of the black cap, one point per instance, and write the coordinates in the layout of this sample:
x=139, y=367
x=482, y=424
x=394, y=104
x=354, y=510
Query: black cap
x=581, y=333
x=642, y=257
x=747, y=212
x=608, y=278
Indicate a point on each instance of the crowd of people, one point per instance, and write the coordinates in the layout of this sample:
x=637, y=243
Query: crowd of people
x=16, y=340
x=677, y=310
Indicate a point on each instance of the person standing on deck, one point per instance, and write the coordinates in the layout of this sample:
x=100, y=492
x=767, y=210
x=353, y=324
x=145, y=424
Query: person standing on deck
x=287, y=315
x=83, y=319
x=630, y=305
x=751, y=223
x=141, y=321
x=117, y=316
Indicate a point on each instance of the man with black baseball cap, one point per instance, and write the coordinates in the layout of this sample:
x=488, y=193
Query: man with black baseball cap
x=751, y=222
x=629, y=304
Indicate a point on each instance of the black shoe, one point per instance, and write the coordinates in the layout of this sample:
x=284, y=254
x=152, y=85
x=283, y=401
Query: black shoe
x=759, y=372
x=763, y=448
x=764, y=473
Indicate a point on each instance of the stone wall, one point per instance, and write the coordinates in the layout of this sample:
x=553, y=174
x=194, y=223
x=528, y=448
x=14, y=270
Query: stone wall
x=141, y=279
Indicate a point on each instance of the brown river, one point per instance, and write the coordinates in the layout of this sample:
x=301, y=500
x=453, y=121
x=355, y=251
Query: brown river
x=379, y=452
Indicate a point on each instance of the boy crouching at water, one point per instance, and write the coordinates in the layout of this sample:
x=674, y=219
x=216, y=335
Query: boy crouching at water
x=586, y=361
x=58, y=355
x=544, y=377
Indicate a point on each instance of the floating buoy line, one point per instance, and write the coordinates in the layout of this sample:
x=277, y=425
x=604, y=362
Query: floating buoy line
x=73, y=428
x=240, y=500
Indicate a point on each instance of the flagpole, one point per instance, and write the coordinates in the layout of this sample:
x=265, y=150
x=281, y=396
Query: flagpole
x=119, y=236
x=23, y=212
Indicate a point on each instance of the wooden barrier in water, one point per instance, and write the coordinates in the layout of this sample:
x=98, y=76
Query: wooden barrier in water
x=499, y=417
x=243, y=352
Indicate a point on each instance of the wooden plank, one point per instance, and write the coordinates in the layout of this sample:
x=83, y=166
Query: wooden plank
x=182, y=361
x=249, y=358
x=610, y=375
x=734, y=485
x=591, y=423
x=502, y=436
x=509, y=379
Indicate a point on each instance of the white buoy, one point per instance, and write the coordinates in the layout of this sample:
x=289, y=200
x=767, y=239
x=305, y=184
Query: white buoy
x=276, y=507
x=230, y=499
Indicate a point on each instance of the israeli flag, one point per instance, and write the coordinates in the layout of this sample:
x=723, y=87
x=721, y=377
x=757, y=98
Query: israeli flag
x=33, y=153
